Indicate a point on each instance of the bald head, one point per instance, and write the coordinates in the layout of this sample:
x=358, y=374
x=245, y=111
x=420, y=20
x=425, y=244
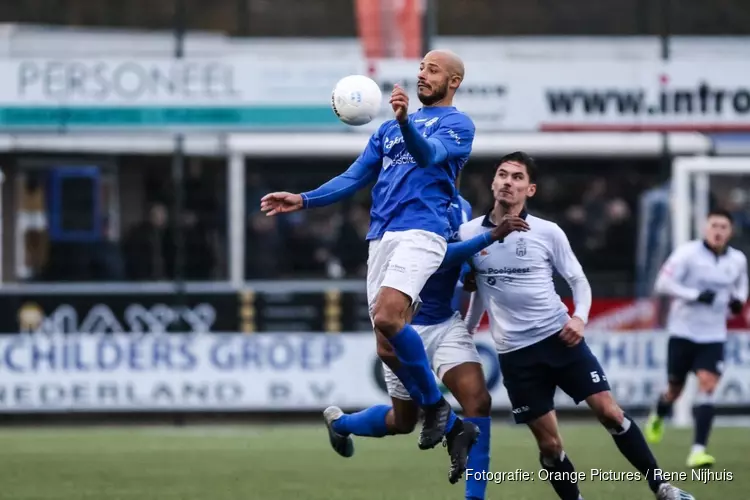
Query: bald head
x=448, y=60
x=440, y=74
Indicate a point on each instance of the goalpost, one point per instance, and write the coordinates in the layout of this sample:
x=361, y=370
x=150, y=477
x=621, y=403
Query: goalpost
x=690, y=205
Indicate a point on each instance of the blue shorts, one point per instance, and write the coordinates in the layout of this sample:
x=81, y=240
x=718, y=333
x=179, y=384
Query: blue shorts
x=685, y=356
x=532, y=375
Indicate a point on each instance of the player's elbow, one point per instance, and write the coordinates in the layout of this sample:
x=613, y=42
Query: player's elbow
x=661, y=286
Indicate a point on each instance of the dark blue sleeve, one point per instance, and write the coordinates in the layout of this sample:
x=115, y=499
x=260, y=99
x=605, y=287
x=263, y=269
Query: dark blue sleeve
x=460, y=252
x=362, y=172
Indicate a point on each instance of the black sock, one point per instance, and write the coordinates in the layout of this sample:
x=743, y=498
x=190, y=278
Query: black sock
x=633, y=446
x=565, y=489
x=663, y=408
x=704, y=418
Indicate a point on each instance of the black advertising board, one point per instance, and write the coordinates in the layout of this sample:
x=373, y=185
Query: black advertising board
x=193, y=312
x=118, y=313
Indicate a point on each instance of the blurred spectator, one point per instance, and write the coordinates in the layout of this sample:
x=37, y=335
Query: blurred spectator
x=264, y=248
x=149, y=248
x=351, y=246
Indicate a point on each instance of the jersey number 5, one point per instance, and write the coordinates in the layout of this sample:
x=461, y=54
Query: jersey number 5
x=595, y=377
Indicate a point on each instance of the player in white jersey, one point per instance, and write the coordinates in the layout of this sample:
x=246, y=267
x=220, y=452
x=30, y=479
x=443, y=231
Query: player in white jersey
x=707, y=281
x=540, y=346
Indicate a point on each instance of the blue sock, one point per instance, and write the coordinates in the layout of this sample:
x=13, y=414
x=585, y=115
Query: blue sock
x=479, y=459
x=451, y=420
x=409, y=383
x=410, y=351
x=369, y=422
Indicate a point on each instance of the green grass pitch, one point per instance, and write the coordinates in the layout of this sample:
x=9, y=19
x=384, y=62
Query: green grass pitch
x=285, y=462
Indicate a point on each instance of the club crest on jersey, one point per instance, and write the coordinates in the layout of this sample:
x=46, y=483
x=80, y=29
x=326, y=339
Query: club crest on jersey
x=521, y=247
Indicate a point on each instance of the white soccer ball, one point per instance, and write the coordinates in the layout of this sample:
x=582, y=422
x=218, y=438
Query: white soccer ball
x=356, y=100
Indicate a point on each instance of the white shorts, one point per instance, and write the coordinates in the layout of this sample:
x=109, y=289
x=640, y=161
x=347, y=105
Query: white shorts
x=448, y=345
x=403, y=260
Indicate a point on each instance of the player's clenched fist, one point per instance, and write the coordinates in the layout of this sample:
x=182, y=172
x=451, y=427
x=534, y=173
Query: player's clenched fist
x=507, y=225
x=572, y=332
x=280, y=203
x=400, y=103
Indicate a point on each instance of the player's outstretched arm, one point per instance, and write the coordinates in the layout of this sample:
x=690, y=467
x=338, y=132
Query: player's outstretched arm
x=459, y=252
x=362, y=172
x=357, y=176
x=669, y=280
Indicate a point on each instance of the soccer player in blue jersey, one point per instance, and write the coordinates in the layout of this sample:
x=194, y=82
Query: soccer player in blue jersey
x=454, y=359
x=414, y=161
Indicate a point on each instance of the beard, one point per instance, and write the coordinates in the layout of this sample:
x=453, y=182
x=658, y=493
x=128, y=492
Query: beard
x=438, y=95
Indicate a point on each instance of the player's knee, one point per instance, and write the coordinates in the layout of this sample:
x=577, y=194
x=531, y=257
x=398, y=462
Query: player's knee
x=479, y=405
x=388, y=324
x=707, y=382
x=610, y=415
x=390, y=312
x=550, y=446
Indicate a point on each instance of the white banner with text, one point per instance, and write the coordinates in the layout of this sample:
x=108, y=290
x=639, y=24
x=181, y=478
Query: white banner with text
x=238, y=93
x=282, y=372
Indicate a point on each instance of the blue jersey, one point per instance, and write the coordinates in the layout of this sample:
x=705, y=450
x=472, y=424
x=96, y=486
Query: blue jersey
x=411, y=196
x=437, y=296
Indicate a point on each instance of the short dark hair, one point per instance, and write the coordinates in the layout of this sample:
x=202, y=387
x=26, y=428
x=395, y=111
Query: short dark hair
x=721, y=212
x=524, y=159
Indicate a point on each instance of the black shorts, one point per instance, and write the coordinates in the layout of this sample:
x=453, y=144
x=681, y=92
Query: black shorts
x=685, y=356
x=532, y=375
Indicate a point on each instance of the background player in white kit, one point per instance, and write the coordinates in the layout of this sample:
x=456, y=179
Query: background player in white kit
x=540, y=346
x=707, y=280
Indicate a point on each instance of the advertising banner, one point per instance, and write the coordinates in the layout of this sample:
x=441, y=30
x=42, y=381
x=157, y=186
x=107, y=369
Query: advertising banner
x=283, y=372
x=192, y=312
x=119, y=313
x=248, y=93
x=596, y=95
x=229, y=93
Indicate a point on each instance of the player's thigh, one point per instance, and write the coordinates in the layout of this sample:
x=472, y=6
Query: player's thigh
x=379, y=254
x=530, y=385
x=579, y=373
x=416, y=256
x=680, y=360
